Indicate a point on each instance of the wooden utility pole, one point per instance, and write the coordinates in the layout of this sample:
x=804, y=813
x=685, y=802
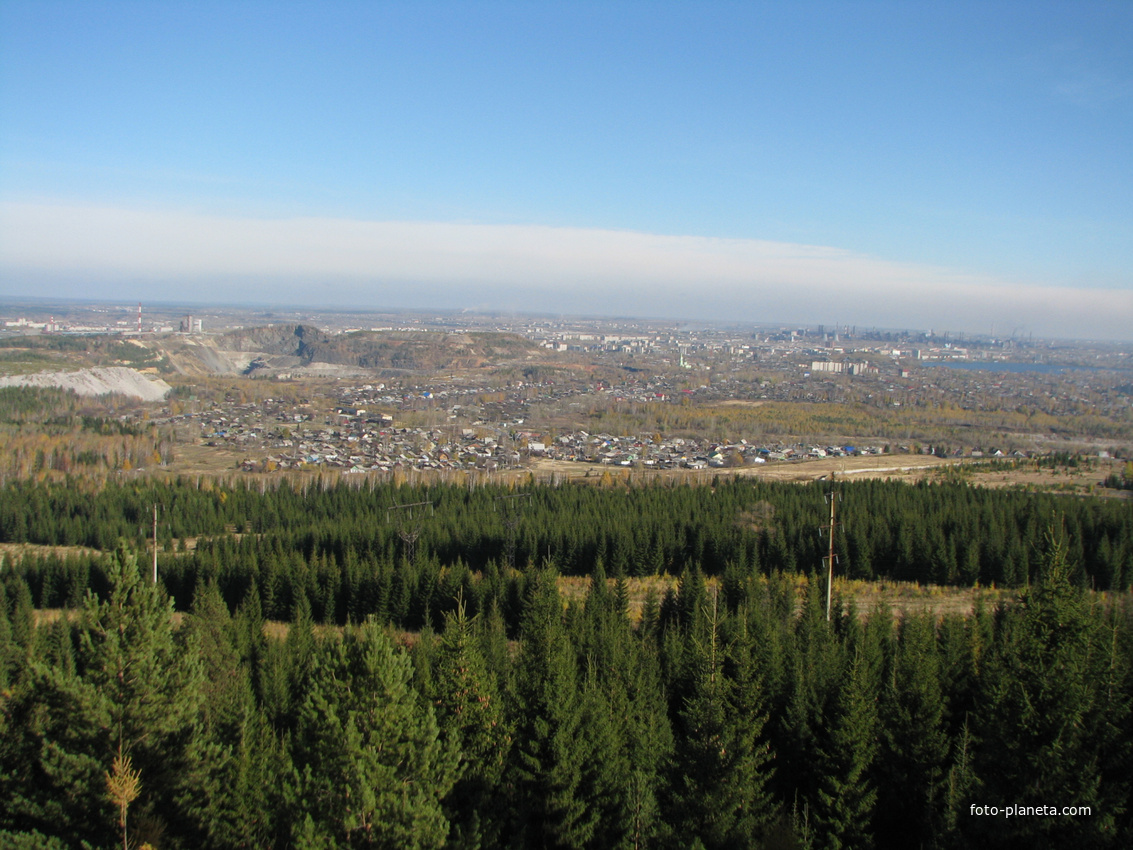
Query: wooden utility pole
x=832, y=498
x=155, y=543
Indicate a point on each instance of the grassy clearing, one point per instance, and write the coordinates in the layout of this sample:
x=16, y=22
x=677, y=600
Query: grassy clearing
x=864, y=598
x=11, y=553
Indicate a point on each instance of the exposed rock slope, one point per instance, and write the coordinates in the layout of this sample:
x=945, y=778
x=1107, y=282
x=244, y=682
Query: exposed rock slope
x=301, y=349
x=94, y=382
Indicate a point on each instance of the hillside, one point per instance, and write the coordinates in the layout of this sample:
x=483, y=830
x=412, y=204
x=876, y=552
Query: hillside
x=278, y=349
x=95, y=382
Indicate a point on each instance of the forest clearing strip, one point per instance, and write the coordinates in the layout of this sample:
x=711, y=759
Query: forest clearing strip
x=864, y=598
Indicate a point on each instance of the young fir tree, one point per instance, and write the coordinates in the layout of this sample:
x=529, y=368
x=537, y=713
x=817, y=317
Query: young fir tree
x=229, y=791
x=1046, y=731
x=844, y=804
x=625, y=718
x=549, y=771
x=471, y=719
x=9, y=652
x=912, y=765
x=135, y=692
x=720, y=795
x=231, y=794
x=370, y=767
x=637, y=710
x=22, y=617
x=813, y=663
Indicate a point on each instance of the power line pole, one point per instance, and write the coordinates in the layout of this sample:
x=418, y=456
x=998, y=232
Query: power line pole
x=154, y=538
x=832, y=500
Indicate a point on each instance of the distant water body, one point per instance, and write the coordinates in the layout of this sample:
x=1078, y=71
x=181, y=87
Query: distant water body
x=994, y=366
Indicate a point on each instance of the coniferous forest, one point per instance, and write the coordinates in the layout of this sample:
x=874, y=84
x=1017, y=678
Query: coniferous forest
x=332, y=665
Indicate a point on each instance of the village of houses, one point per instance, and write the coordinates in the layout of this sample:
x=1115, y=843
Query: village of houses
x=358, y=434
x=514, y=417
x=480, y=424
x=356, y=441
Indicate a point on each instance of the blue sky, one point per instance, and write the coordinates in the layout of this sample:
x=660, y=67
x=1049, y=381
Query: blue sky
x=945, y=165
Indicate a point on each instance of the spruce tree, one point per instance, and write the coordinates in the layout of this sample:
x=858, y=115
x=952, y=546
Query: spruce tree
x=721, y=774
x=1046, y=726
x=370, y=767
x=844, y=804
x=471, y=719
x=134, y=692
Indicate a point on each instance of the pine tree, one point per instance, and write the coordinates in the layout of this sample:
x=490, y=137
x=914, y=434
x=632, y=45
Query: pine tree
x=152, y=683
x=53, y=754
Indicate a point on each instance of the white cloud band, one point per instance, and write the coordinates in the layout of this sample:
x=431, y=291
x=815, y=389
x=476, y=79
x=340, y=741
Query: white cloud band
x=536, y=268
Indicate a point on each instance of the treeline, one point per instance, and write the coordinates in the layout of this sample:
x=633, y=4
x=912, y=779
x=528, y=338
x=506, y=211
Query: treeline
x=47, y=432
x=353, y=551
x=98, y=450
x=843, y=409
x=1122, y=480
x=724, y=719
x=19, y=405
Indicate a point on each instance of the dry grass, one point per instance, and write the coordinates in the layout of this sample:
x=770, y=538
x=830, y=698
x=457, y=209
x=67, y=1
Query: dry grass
x=899, y=467
x=907, y=598
x=574, y=589
x=12, y=552
x=1084, y=480
x=863, y=597
x=196, y=459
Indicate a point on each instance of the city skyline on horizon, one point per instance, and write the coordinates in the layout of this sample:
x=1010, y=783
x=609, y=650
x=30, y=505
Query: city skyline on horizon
x=55, y=308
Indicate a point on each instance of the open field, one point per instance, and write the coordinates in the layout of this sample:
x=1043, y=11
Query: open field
x=10, y=552
x=196, y=459
x=865, y=598
x=874, y=466
x=900, y=598
x=912, y=468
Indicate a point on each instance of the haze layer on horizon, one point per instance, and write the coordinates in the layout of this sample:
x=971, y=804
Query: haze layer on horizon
x=130, y=255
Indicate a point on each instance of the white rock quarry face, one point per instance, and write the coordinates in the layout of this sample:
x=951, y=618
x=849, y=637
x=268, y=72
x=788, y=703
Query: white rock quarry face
x=94, y=382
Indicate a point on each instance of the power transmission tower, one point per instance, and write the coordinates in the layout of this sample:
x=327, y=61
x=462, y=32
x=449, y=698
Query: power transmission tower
x=509, y=507
x=409, y=526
